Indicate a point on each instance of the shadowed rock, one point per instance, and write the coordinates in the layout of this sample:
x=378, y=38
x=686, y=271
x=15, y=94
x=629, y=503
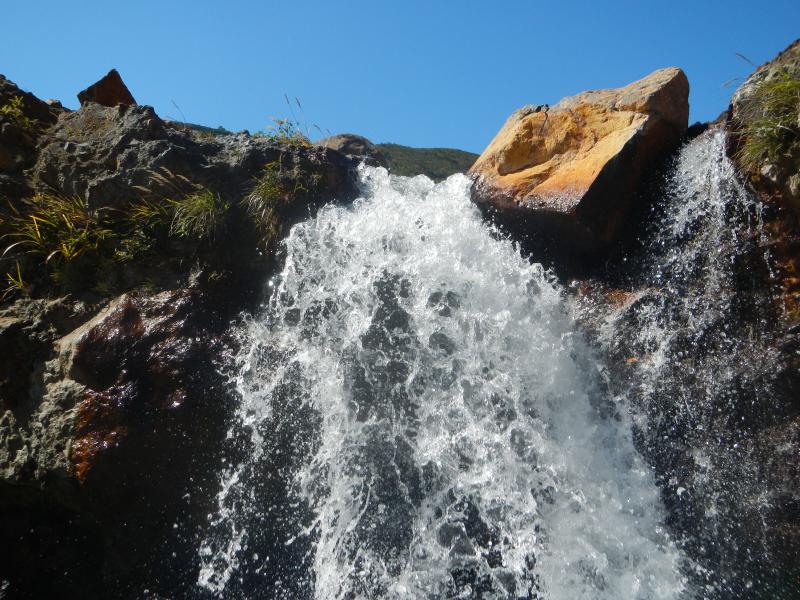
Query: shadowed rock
x=108, y=91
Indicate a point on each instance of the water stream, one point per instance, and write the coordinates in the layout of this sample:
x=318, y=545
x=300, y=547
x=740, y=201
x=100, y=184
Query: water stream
x=422, y=417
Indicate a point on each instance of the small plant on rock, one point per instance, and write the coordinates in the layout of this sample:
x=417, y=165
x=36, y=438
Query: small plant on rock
x=287, y=132
x=275, y=189
x=13, y=110
x=189, y=210
x=14, y=283
x=54, y=228
x=199, y=215
x=771, y=122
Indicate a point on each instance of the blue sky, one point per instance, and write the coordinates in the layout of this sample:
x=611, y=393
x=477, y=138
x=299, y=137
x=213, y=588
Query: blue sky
x=413, y=72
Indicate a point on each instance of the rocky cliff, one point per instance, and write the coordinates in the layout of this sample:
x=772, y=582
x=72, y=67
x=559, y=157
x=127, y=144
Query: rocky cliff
x=131, y=245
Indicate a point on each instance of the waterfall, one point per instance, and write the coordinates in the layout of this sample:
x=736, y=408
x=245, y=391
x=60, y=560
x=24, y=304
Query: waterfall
x=692, y=349
x=421, y=417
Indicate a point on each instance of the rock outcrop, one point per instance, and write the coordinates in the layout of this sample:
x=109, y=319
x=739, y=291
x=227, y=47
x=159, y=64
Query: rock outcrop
x=22, y=119
x=102, y=153
x=568, y=173
x=108, y=91
x=774, y=174
x=114, y=405
x=780, y=172
x=355, y=146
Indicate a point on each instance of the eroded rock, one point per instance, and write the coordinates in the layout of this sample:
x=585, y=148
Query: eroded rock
x=103, y=153
x=19, y=131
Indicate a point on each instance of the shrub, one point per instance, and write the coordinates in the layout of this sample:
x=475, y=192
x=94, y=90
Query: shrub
x=770, y=127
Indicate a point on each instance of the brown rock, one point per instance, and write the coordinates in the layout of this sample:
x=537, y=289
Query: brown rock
x=570, y=171
x=350, y=144
x=39, y=112
x=109, y=91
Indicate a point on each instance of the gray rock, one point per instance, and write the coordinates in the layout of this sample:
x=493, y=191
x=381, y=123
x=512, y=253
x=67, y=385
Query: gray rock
x=102, y=153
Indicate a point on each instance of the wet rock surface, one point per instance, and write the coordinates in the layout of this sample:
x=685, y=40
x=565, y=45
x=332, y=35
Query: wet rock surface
x=106, y=453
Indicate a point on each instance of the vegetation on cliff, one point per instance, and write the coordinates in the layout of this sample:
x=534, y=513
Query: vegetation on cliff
x=771, y=121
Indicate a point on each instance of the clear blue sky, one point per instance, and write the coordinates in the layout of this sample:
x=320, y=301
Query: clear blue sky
x=413, y=72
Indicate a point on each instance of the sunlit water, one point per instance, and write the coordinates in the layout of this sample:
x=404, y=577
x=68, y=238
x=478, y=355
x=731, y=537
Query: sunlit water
x=420, y=418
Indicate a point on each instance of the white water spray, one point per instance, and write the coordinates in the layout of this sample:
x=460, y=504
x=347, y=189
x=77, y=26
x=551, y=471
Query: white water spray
x=420, y=419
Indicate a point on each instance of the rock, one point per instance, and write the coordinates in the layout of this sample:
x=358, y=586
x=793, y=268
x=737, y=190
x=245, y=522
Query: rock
x=569, y=173
x=110, y=419
x=101, y=153
x=18, y=138
x=356, y=146
x=113, y=434
x=32, y=107
x=108, y=91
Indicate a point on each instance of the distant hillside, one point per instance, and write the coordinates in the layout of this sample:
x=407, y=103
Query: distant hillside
x=436, y=163
x=205, y=130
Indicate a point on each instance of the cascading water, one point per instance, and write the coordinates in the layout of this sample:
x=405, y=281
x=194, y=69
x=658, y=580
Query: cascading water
x=696, y=361
x=420, y=418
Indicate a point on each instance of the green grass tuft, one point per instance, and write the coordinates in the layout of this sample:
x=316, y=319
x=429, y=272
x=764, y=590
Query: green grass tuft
x=771, y=122
x=199, y=215
x=54, y=228
x=274, y=190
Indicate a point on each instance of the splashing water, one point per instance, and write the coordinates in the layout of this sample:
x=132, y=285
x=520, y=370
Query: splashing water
x=421, y=419
x=697, y=365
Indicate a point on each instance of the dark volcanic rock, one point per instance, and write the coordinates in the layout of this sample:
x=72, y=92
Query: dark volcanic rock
x=18, y=138
x=118, y=428
x=32, y=107
x=108, y=91
x=101, y=153
x=356, y=146
x=112, y=420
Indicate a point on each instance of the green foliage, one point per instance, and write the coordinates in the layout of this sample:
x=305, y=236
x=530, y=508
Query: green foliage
x=436, y=163
x=13, y=109
x=275, y=189
x=199, y=215
x=188, y=209
x=54, y=228
x=771, y=121
x=51, y=235
x=14, y=283
x=286, y=132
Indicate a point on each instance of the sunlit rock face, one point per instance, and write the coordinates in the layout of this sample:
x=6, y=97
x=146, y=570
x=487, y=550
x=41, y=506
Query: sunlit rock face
x=570, y=171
